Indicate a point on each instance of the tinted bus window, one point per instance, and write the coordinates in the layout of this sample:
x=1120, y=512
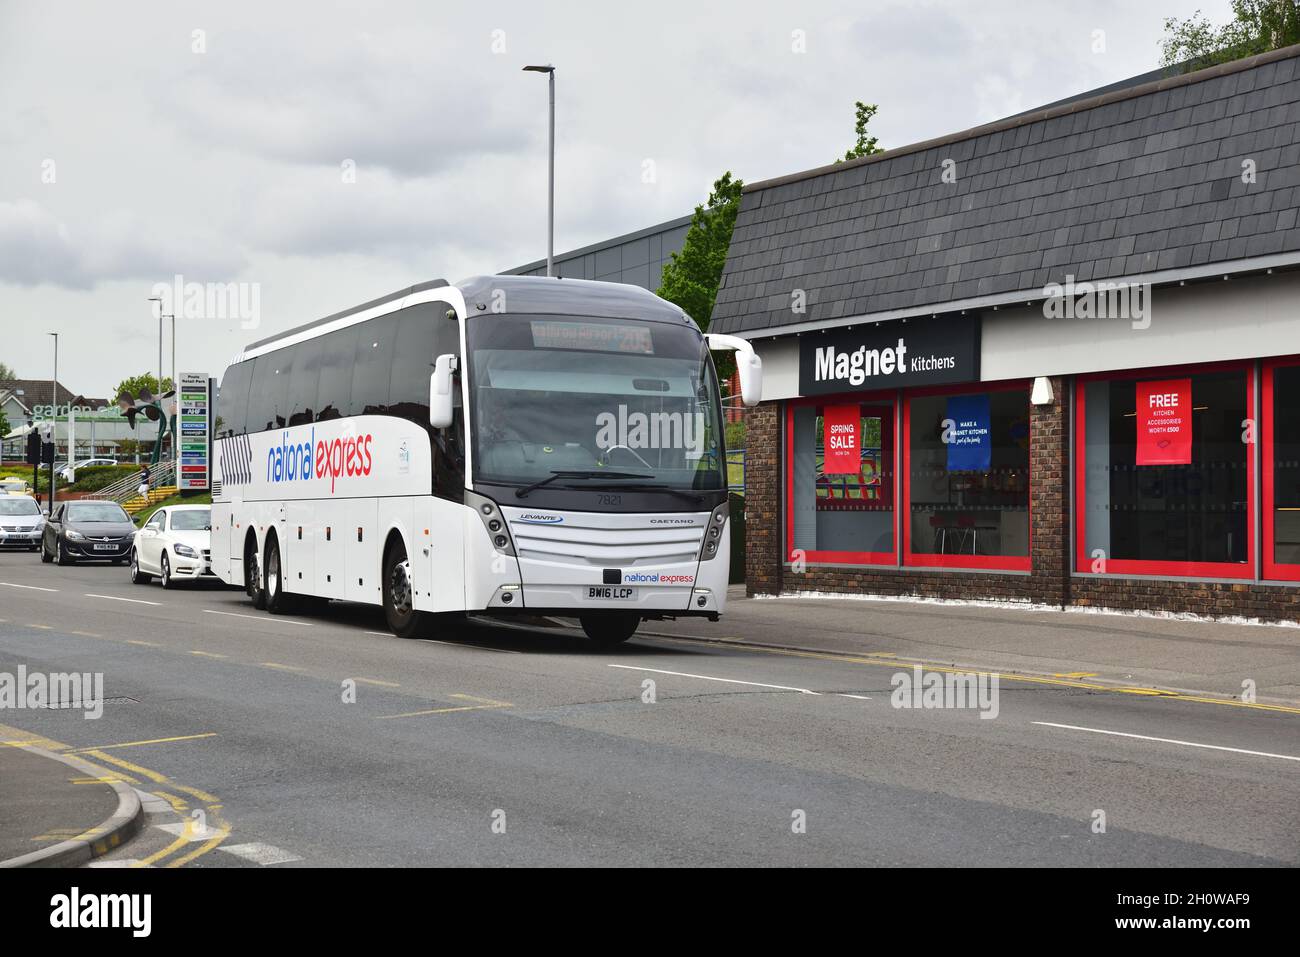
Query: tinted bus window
x=232, y=400
x=335, y=388
x=413, y=358
x=373, y=366
x=304, y=381
x=266, y=396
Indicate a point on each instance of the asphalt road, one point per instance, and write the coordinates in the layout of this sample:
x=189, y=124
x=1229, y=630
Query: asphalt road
x=520, y=746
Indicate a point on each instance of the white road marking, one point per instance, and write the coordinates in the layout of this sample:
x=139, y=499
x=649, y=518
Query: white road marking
x=259, y=853
x=858, y=697
x=134, y=601
x=189, y=829
x=1186, y=744
x=231, y=614
x=730, y=681
x=28, y=587
x=116, y=862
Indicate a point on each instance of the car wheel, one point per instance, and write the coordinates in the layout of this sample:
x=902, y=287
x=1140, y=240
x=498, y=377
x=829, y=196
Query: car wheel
x=46, y=557
x=399, y=597
x=138, y=577
x=165, y=572
x=253, y=575
x=604, y=630
x=63, y=558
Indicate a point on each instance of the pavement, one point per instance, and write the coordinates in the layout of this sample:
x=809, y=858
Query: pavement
x=1184, y=655
x=58, y=811
x=256, y=740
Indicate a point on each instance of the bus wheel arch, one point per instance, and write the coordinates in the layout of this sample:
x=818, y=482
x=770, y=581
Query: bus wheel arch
x=399, y=591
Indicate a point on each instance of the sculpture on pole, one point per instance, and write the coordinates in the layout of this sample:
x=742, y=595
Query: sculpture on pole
x=152, y=409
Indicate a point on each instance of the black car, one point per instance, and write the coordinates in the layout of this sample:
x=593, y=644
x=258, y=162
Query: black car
x=88, y=530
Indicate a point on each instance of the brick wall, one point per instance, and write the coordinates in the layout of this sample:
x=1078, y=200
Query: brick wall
x=1049, y=581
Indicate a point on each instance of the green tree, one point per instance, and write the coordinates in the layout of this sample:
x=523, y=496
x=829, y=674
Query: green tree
x=134, y=384
x=865, y=145
x=7, y=372
x=4, y=423
x=691, y=278
x=1257, y=27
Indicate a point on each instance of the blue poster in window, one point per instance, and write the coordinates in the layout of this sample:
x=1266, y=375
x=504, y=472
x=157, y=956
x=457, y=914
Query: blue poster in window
x=970, y=445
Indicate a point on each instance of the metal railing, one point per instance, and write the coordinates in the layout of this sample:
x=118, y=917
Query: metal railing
x=123, y=490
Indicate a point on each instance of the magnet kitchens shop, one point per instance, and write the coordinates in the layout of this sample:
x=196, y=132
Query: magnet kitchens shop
x=1066, y=372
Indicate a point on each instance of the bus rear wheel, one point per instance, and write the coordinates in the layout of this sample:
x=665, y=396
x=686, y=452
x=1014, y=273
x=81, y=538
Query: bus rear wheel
x=253, y=575
x=399, y=596
x=278, y=601
x=606, y=629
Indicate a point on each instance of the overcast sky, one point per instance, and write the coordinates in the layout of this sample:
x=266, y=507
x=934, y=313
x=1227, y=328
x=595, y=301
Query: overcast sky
x=132, y=151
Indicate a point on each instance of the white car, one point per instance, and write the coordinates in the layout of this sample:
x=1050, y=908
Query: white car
x=21, y=522
x=175, y=545
x=69, y=472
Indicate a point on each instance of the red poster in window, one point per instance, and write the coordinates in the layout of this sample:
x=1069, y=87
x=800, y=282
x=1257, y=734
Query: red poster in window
x=1164, y=422
x=842, y=440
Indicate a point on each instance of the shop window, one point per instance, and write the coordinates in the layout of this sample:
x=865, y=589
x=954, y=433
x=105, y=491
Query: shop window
x=967, y=474
x=1281, y=448
x=1165, y=474
x=840, y=488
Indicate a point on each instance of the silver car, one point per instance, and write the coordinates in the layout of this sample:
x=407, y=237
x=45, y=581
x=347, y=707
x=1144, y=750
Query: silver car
x=21, y=522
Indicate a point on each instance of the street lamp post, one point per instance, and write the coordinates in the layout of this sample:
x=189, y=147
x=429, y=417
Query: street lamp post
x=158, y=299
x=549, y=70
x=54, y=424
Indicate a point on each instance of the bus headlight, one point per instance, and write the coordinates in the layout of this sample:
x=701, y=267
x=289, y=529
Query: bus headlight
x=713, y=533
x=493, y=521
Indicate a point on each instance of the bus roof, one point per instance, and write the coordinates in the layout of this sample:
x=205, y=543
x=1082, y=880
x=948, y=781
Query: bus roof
x=519, y=295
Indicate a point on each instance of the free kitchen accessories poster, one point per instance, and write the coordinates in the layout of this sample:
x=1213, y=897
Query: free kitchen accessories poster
x=1164, y=422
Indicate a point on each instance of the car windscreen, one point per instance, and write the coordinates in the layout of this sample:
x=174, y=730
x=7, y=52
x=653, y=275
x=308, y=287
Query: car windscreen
x=199, y=520
x=18, y=506
x=96, y=512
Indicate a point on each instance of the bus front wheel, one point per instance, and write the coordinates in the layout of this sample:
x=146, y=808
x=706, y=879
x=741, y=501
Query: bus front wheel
x=399, y=596
x=610, y=628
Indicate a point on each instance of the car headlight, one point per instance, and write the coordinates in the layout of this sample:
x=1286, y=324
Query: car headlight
x=185, y=551
x=75, y=535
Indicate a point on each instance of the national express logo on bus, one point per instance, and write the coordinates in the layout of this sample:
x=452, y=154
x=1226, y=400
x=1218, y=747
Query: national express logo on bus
x=346, y=457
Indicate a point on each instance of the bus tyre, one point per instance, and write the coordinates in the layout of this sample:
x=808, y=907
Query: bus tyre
x=399, y=597
x=610, y=628
x=278, y=602
x=253, y=575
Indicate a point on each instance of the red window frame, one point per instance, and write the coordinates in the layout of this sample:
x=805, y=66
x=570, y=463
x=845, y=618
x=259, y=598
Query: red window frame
x=1273, y=570
x=1161, y=569
x=883, y=399
x=1014, y=563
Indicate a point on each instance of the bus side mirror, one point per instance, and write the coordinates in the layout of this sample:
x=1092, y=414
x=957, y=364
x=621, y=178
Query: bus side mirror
x=441, y=392
x=748, y=365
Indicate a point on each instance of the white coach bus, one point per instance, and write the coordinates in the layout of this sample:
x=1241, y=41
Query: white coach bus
x=506, y=444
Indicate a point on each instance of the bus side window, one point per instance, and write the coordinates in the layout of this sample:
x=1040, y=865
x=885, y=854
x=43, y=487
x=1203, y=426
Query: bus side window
x=373, y=366
x=232, y=399
x=304, y=381
x=334, y=393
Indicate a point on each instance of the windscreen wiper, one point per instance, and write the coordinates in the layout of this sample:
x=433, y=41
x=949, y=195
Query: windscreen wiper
x=583, y=474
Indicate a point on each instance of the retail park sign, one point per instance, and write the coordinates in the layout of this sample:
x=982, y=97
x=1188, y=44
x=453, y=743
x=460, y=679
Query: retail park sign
x=890, y=355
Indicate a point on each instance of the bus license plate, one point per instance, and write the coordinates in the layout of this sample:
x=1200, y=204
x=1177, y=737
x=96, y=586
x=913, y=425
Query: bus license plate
x=611, y=593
